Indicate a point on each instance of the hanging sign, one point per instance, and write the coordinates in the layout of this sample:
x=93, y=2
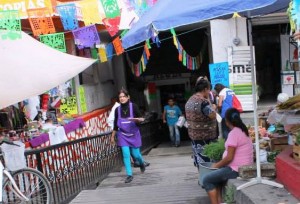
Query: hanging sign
x=219, y=74
x=69, y=105
x=23, y=5
x=82, y=99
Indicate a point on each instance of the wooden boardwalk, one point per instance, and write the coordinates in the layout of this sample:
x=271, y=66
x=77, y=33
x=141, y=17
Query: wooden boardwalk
x=170, y=178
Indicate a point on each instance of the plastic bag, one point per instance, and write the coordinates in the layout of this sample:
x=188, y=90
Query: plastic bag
x=181, y=121
x=14, y=156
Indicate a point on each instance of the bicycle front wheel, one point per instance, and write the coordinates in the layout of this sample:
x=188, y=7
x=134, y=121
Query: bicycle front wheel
x=32, y=183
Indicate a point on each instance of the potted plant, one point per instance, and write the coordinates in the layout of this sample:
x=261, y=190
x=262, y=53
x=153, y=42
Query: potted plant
x=215, y=150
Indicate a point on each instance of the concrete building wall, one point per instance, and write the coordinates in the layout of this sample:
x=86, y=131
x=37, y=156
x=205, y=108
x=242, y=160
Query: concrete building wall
x=102, y=81
x=222, y=34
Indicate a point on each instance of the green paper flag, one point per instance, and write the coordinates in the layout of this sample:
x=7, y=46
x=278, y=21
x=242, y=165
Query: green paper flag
x=111, y=8
x=184, y=58
x=56, y=41
x=148, y=44
x=123, y=33
x=94, y=53
x=173, y=31
x=10, y=25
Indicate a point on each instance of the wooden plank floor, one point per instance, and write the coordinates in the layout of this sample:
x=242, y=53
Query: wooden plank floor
x=170, y=178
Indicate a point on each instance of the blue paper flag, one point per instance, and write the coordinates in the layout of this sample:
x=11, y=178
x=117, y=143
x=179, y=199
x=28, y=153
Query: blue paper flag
x=68, y=15
x=109, y=50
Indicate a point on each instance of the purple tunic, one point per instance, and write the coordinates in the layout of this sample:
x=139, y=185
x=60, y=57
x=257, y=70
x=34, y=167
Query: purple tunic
x=128, y=133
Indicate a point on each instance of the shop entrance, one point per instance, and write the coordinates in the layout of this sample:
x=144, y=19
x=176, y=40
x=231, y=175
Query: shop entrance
x=266, y=39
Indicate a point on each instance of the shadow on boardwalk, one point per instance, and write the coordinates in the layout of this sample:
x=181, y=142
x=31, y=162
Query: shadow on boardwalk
x=170, y=178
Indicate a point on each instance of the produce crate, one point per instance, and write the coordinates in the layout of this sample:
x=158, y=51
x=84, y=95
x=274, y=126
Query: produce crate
x=262, y=121
x=279, y=143
x=296, y=152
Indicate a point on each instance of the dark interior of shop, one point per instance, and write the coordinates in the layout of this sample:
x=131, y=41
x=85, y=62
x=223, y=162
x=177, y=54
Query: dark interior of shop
x=266, y=39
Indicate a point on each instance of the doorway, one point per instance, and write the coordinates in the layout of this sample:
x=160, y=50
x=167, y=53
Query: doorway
x=178, y=93
x=266, y=39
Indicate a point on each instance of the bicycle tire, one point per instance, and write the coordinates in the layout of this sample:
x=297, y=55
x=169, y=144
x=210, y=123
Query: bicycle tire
x=38, y=190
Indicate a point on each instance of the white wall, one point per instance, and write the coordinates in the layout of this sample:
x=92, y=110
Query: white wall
x=107, y=79
x=222, y=34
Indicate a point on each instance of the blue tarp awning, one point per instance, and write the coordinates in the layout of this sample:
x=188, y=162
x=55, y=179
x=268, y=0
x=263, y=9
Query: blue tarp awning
x=166, y=14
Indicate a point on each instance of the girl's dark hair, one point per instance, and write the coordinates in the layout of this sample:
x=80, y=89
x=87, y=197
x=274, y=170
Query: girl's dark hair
x=232, y=115
x=201, y=85
x=219, y=87
x=124, y=91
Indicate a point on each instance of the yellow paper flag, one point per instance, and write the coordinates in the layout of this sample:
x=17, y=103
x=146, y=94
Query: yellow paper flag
x=236, y=15
x=90, y=12
x=102, y=54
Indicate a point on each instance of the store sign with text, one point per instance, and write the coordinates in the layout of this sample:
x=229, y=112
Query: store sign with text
x=23, y=5
x=69, y=105
x=240, y=74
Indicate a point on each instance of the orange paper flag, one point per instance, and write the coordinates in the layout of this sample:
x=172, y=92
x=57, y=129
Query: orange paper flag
x=147, y=51
x=118, y=46
x=40, y=21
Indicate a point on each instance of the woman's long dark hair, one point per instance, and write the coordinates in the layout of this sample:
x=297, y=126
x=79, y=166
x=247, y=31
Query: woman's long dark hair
x=232, y=115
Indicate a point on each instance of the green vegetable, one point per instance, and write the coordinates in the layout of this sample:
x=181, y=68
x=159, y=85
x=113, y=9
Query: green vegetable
x=214, y=150
x=272, y=155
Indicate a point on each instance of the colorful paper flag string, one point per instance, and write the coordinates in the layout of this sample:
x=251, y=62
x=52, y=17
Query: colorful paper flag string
x=192, y=63
x=140, y=67
x=56, y=41
x=86, y=37
x=40, y=20
x=68, y=16
x=10, y=25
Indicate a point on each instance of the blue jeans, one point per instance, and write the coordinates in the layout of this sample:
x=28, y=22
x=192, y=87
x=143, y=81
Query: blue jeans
x=174, y=129
x=217, y=177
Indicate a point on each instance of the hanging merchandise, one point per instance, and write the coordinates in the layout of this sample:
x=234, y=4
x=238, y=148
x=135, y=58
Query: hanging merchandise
x=56, y=41
x=67, y=13
x=40, y=21
x=10, y=25
x=45, y=101
x=86, y=37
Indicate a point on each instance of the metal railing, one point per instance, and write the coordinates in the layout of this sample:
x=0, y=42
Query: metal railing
x=76, y=165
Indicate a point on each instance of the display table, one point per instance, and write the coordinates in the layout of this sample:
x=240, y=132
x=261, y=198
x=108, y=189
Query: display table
x=44, y=137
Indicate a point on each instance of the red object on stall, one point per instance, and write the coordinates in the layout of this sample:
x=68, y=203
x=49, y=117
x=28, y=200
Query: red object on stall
x=45, y=100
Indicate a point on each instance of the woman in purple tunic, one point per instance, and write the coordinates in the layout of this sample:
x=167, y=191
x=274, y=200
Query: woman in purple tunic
x=127, y=133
